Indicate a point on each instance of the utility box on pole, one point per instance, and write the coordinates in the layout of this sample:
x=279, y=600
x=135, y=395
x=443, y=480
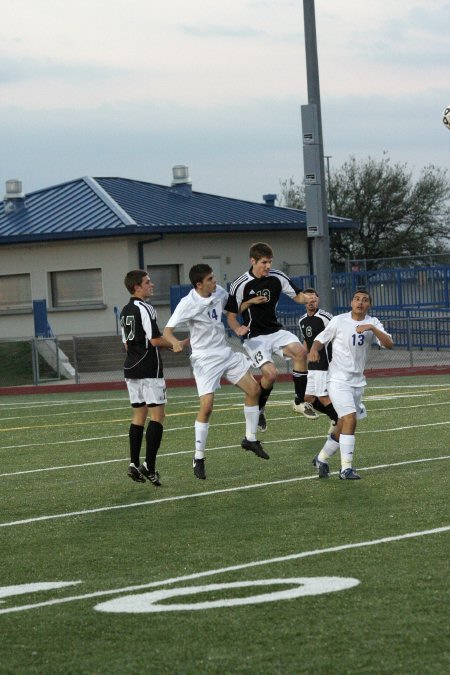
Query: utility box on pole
x=314, y=179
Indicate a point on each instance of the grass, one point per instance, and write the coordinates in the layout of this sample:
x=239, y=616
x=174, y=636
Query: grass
x=69, y=514
x=16, y=363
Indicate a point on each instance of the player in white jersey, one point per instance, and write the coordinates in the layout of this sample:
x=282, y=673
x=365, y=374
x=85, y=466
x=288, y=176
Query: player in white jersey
x=351, y=335
x=212, y=359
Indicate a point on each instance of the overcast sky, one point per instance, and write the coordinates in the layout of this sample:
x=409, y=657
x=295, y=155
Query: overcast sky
x=132, y=87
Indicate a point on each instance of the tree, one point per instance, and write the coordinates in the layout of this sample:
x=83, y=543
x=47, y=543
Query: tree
x=292, y=195
x=396, y=217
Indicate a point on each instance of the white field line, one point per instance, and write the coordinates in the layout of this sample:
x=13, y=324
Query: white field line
x=187, y=452
x=231, y=568
x=178, y=399
x=166, y=430
x=208, y=493
x=221, y=406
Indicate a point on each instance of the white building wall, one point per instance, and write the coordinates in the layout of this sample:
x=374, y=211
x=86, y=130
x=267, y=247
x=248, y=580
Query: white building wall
x=227, y=253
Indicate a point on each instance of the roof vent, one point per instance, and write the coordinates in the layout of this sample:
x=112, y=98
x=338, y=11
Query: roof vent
x=14, y=197
x=181, y=175
x=270, y=199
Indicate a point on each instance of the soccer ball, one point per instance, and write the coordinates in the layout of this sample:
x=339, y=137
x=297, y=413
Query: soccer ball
x=446, y=117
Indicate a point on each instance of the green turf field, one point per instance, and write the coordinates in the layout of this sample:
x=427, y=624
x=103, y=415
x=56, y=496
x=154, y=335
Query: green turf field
x=262, y=568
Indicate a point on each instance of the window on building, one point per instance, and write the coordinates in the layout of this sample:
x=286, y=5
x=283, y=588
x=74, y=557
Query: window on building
x=76, y=288
x=163, y=276
x=15, y=292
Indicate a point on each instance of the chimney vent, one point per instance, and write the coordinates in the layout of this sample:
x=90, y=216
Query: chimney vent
x=14, y=197
x=270, y=199
x=181, y=175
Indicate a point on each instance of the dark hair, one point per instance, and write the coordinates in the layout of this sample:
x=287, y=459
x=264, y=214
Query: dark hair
x=198, y=272
x=260, y=250
x=134, y=278
x=310, y=290
x=362, y=290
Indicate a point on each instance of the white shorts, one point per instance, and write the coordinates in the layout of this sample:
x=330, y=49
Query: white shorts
x=347, y=399
x=317, y=383
x=147, y=391
x=261, y=348
x=209, y=368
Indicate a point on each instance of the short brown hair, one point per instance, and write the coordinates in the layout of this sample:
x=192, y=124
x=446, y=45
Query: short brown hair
x=260, y=250
x=134, y=278
x=198, y=272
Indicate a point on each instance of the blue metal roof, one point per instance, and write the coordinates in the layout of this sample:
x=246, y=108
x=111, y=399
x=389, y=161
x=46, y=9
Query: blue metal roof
x=105, y=207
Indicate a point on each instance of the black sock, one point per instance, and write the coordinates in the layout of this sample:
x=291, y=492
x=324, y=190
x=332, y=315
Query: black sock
x=300, y=381
x=135, y=435
x=326, y=409
x=331, y=412
x=319, y=406
x=263, y=396
x=153, y=437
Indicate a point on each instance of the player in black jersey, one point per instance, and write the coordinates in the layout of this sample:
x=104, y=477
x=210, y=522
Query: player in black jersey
x=255, y=295
x=311, y=324
x=144, y=376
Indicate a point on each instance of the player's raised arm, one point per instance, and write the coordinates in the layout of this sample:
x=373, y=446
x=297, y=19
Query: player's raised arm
x=384, y=338
x=302, y=298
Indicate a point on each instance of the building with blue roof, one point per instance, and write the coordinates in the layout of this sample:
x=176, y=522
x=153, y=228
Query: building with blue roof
x=71, y=245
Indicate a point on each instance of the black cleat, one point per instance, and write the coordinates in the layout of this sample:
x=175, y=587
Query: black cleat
x=199, y=468
x=152, y=477
x=349, y=474
x=323, y=467
x=135, y=474
x=256, y=447
x=262, y=423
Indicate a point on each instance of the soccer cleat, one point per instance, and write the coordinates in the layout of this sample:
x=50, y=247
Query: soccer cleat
x=135, y=474
x=349, y=474
x=306, y=410
x=262, y=423
x=256, y=447
x=323, y=467
x=199, y=468
x=152, y=477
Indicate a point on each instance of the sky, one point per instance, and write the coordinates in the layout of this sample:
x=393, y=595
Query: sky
x=132, y=88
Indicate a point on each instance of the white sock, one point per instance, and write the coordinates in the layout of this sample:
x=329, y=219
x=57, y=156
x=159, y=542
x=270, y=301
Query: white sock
x=347, y=444
x=328, y=450
x=251, y=413
x=201, y=434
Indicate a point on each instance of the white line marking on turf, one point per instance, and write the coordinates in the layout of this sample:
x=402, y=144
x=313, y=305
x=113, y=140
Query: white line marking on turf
x=206, y=493
x=144, y=603
x=227, y=424
x=186, y=452
x=231, y=568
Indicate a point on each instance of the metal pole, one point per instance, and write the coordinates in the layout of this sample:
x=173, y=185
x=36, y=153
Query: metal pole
x=320, y=244
x=328, y=157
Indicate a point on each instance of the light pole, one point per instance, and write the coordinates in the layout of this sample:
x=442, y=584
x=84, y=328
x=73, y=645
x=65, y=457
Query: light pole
x=315, y=193
x=328, y=157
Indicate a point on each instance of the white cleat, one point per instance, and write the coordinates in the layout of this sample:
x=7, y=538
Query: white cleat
x=306, y=410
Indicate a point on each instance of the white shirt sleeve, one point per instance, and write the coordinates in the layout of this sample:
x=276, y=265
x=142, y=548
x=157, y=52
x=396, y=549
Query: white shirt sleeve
x=329, y=332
